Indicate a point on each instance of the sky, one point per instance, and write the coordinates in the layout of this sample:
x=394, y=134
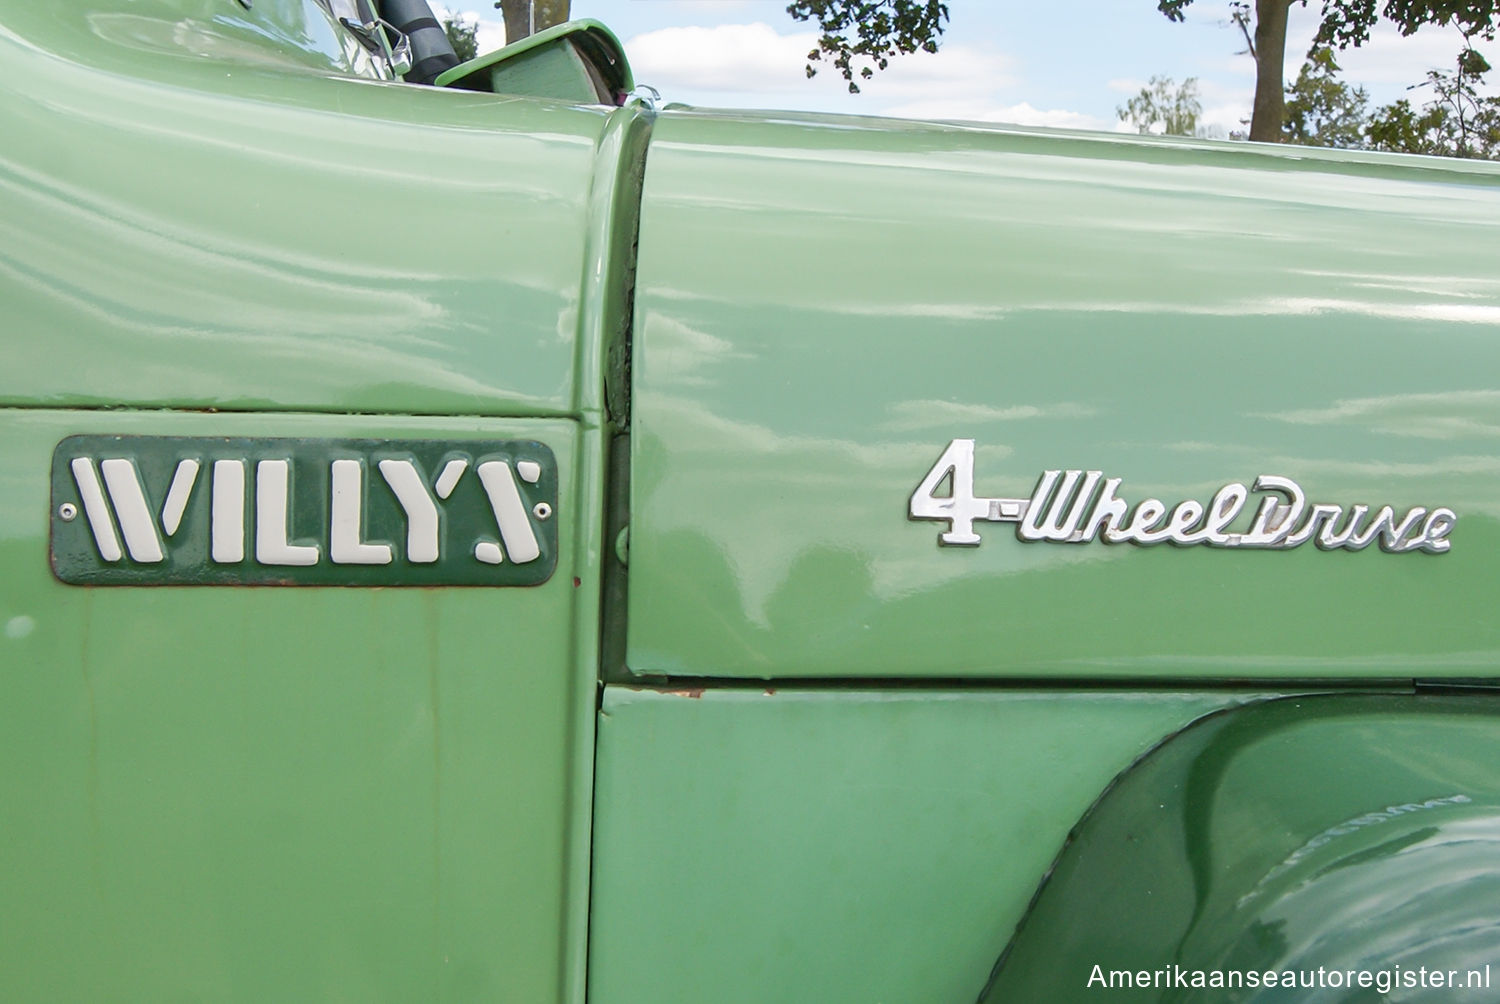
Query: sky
x=1058, y=63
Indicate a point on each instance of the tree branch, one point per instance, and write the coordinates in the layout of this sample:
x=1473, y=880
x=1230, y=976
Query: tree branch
x=1241, y=17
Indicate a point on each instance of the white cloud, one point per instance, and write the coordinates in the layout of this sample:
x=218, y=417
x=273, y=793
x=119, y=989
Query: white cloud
x=1225, y=107
x=1386, y=66
x=491, y=31
x=490, y=36
x=953, y=69
x=757, y=58
x=1223, y=119
x=1390, y=61
x=978, y=110
x=758, y=62
x=729, y=57
x=757, y=65
x=676, y=7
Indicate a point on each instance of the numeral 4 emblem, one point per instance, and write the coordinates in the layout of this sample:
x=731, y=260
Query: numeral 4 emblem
x=959, y=508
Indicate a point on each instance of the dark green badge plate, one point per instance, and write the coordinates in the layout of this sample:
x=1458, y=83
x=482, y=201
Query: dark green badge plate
x=171, y=510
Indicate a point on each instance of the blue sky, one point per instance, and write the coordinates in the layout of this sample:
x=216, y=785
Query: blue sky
x=1063, y=62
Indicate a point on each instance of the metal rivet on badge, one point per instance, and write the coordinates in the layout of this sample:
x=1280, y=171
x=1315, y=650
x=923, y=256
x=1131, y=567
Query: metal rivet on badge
x=542, y=510
x=68, y=511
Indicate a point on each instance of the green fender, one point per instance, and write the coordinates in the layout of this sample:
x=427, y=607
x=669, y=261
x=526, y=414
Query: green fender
x=1347, y=832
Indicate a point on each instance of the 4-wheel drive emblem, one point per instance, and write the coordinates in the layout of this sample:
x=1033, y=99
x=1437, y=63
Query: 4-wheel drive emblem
x=142, y=510
x=1078, y=507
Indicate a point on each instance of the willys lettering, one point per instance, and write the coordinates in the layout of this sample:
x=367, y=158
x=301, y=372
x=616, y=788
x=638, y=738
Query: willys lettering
x=140, y=510
x=1079, y=507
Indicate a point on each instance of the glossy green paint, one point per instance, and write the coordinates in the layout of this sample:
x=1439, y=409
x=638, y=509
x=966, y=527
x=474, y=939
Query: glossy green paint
x=324, y=243
x=285, y=35
x=571, y=61
x=276, y=794
x=1344, y=832
x=840, y=845
x=259, y=794
x=825, y=302
x=601, y=364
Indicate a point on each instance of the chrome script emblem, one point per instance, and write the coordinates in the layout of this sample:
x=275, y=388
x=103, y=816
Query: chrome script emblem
x=1079, y=507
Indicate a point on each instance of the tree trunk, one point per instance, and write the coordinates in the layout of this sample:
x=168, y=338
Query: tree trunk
x=517, y=19
x=1269, y=116
x=522, y=17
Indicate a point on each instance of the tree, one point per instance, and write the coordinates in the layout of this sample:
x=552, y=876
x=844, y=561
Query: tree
x=1456, y=123
x=1400, y=128
x=462, y=32
x=1164, y=107
x=1322, y=110
x=527, y=17
x=1267, y=46
x=1344, y=23
x=862, y=36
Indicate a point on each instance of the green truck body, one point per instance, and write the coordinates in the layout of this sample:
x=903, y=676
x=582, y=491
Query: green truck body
x=831, y=671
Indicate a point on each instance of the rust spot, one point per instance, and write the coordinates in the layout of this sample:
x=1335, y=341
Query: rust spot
x=770, y=691
x=694, y=693
x=577, y=582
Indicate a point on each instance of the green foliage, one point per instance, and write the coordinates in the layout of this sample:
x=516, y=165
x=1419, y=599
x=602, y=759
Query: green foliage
x=1175, y=9
x=1324, y=111
x=462, y=32
x=1164, y=107
x=1456, y=123
x=1321, y=109
x=1343, y=23
x=862, y=36
x=1348, y=22
x=1400, y=128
